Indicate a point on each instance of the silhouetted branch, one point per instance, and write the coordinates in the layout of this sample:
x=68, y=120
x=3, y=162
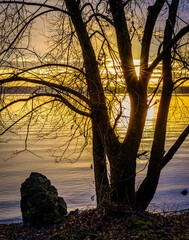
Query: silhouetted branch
x=155, y=91
x=25, y=115
x=54, y=8
x=56, y=97
x=68, y=104
x=125, y=3
x=51, y=65
x=101, y=16
x=177, y=37
x=46, y=83
x=22, y=30
x=169, y=155
x=153, y=13
x=181, y=80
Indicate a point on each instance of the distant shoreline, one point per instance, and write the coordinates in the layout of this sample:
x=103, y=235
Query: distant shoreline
x=37, y=89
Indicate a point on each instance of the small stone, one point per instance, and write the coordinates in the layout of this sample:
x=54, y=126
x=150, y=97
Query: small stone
x=74, y=213
x=184, y=191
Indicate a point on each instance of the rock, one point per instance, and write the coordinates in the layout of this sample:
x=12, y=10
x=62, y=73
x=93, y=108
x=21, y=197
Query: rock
x=184, y=191
x=74, y=212
x=40, y=204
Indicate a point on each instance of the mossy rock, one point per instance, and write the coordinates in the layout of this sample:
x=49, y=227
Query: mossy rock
x=40, y=203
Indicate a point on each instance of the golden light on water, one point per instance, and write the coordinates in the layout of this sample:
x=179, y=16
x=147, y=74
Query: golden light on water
x=111, y=65
x=58, y=73
x=155, y=76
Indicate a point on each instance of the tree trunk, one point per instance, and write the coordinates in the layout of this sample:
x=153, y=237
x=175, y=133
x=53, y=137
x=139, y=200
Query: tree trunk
x=123, y=162
x=149, y=185
x=104, y=138
x=100, y=168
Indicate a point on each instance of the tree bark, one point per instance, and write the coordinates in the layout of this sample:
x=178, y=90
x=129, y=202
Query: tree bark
x=100, y=168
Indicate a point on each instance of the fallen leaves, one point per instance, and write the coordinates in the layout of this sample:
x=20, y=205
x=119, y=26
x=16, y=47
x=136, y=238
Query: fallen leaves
x=96, y=224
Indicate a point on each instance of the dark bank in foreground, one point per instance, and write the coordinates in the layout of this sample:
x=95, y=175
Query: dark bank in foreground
x=98, y=224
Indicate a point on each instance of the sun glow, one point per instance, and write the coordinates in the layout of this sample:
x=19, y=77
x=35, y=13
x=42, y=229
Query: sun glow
x=137, y=66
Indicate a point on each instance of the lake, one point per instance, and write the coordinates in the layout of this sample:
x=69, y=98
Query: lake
x=74, y=180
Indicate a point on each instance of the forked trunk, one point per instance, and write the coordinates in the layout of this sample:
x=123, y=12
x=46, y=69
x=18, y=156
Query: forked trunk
x=123, y=162
x=149, y=185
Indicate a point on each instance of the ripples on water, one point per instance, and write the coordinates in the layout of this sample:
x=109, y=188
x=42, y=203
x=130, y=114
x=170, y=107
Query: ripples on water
x=75, y=181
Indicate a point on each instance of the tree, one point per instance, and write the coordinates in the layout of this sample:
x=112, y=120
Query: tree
x=85, y=35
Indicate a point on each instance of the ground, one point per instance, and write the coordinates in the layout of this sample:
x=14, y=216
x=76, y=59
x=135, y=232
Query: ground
x=96, y=224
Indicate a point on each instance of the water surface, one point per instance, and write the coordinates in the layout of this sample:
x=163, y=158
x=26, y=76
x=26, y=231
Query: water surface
x=75, y=180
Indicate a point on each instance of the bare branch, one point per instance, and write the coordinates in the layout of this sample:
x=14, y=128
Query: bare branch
x=54, y=8
x=101, y=16
x=169, y=155
x=48, y=84
x=52, y=65
x=177, y=37
x=181, y=80
x=56, y=98
x=155, y=91
x=125, y=4
x=17, y=101
x=22, y=30
x=28, y=128
x=68, y=104
x=123, y=42
x=153, y=12
x=25, y=115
